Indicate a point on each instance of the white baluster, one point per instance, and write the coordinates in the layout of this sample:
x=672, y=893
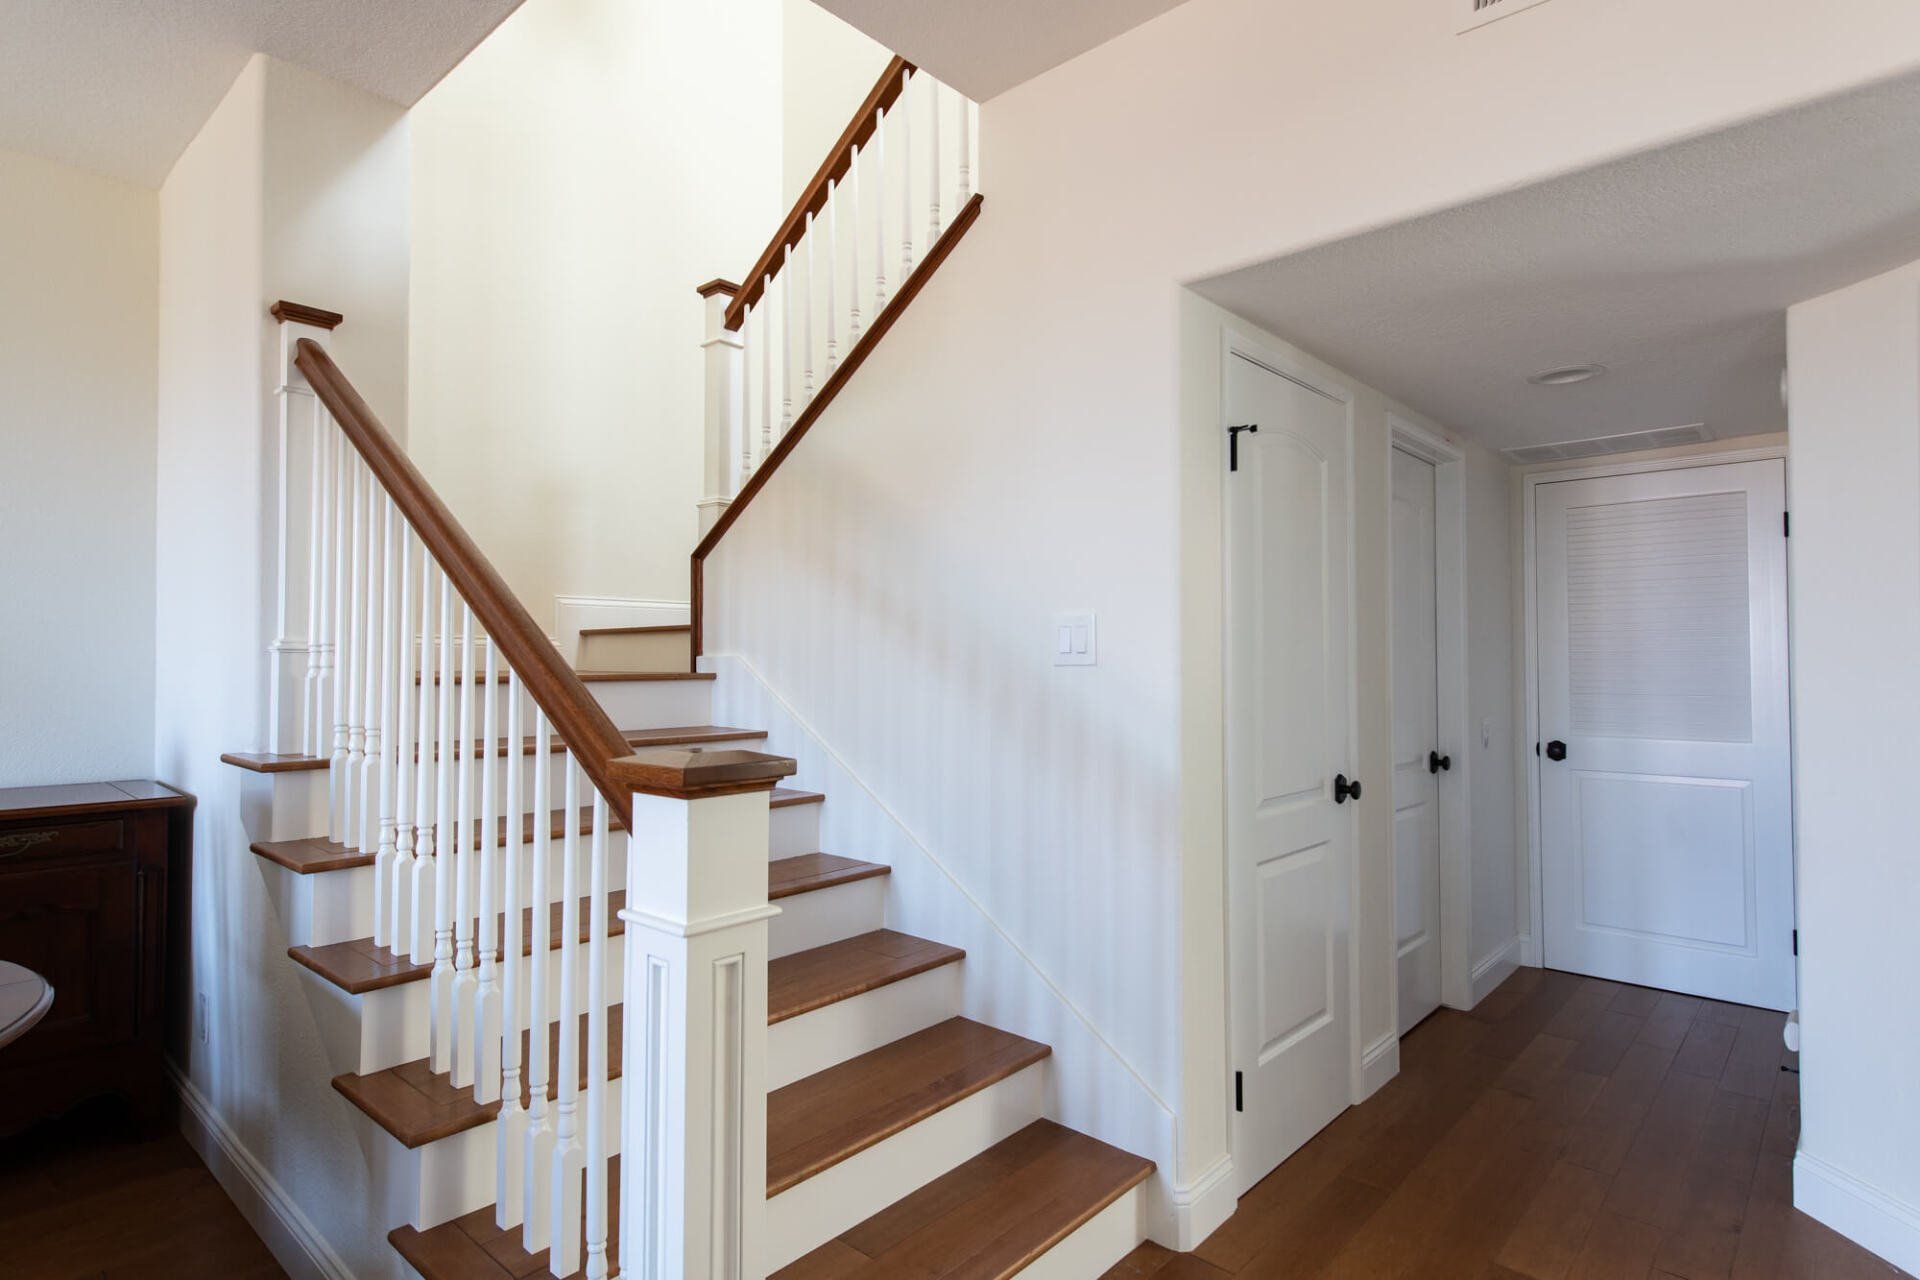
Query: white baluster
x=906, y=179
x=356, y=667
x=786, y=351
x=746, y=434
x=386, y=763
x=486, y=994
x=465, y=851
x=539, y=1166
x=596, y=1153
x=337, y=765
x=405, y=747
x=446, y=845
x=744, y=407
x=879, y=212
x=833, y=242
x=569, y=1157
x=369, y=784
x=933, y=159
x=509, y=1144
x=806, y=302
x=316, y=571
x=853, y=256
x=426, y=770
x=966, y=151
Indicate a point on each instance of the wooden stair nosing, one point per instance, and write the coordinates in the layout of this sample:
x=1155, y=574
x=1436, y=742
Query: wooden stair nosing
x=657, y=629
x=787, y=798
x=358, y=966
x=318, y=854
x=824, y=975
x=987, y=1218
x=417, y=1105
x=270, y=762
x=471, y=1247
x=808, y=872
x=833, y=1115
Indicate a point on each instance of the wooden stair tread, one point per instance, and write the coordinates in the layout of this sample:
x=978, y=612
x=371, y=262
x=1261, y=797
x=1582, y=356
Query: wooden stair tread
x=815, y=1123
x=661, y=629
x=810, y=871
x=272, y=762
x=312, y=856
x=594, y=677
x=358, y=966
x=418, y=1106
x=471, y=1247
x=693, y=734
x=787, y=797
x=988, y=1218
x=809, y=980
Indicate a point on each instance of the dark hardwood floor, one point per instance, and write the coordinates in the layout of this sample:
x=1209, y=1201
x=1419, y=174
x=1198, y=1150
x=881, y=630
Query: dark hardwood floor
x=1567, y=1129
x=81, y=1200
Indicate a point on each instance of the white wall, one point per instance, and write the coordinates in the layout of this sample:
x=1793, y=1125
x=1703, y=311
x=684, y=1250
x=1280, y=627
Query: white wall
x=1854, y=476
x=254, y=211
x=79, y=272
x=827, y=67
x=1012, y=450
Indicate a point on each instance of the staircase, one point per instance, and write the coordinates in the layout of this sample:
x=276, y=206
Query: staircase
x=526, y=900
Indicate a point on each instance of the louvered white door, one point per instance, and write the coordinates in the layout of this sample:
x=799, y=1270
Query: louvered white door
x=1666, y=847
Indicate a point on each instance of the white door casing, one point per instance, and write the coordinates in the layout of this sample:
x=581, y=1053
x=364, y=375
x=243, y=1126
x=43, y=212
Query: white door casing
x=1416, y=738
x=1289, y=732
x=1666, y=837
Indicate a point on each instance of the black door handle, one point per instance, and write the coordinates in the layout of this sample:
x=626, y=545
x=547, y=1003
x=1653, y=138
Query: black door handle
x=1556, y=750
x=1436, y=762
x=1342, y=788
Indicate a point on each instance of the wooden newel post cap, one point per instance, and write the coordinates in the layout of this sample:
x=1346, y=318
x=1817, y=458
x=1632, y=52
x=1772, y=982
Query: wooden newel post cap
x=693, y=774
x=301, y=313
x=719, y=288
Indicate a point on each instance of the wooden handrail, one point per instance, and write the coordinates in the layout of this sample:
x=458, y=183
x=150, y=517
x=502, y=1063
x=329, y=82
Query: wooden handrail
x=554, y=686
x=814, y=198
x=841, y=375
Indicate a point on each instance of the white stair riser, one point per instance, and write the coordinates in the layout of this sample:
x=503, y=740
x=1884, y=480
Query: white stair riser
x=798, y=1047
x=649, y=651
x=792, y=830
x=1096, y=1244
x=439, y=1181
x=392, y=1025
x=809, y=920
x=806, y=1216
x=632, y=704
x=337, y=906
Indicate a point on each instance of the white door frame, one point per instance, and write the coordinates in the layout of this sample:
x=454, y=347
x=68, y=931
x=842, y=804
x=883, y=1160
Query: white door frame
x=1238, y=342
x=1450, y=662
x=1533, y=942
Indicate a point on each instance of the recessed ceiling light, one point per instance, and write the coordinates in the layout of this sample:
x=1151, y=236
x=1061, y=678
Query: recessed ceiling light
x=1568, y=376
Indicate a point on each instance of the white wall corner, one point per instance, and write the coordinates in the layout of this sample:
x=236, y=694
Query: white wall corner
x=1857, y=1210
x=296, y=1244
x=1495, y=968
x=571, y=614
x=1202, y=1203
x=1379, y=1064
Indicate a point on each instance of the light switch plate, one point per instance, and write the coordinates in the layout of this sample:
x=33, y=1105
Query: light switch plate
x=1074, y=642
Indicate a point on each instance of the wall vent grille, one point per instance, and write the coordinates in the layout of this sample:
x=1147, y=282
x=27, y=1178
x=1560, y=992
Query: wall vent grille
x=1601, y=446
x=1478, y=13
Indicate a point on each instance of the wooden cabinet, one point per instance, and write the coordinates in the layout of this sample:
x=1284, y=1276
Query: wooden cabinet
x=84, y=882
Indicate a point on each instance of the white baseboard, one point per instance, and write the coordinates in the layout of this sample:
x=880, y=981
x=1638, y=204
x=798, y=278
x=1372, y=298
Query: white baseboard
x=1531, y=953
x=1863, y=1214
x=1200, y=1206
x=571, y=614
x=1379, y=1064
x=289, y=1234
x=1495, y=969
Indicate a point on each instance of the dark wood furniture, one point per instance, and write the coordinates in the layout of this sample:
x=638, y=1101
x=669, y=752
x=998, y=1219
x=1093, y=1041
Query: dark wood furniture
x=84, y=873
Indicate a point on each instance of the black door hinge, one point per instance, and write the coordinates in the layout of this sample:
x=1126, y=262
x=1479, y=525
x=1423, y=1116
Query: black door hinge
x=1239, y=1092
x=1786, y=524
x=1796, y=942
x=1233, y=443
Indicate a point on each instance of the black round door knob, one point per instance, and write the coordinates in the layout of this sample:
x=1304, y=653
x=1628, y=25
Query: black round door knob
x=1343, y=788
x=1436, y=762
x=1556, y=750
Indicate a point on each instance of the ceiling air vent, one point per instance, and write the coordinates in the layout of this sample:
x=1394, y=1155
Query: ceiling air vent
x=1478, y=13
x=1599, y=446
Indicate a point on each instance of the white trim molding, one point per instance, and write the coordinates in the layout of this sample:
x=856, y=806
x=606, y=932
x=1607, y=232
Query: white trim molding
x=1858, y=1210
x=572, y=614
x=1201, y=1204
x=1493, y=969
x=1379, y=1064
x=296, y=1244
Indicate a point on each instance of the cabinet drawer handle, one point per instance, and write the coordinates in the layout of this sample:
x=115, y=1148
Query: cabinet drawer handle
x=21, y=841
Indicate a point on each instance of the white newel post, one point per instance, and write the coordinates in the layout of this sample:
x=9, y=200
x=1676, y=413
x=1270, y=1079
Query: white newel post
x=300, y=655
x=694, y=1085
x=726, y=402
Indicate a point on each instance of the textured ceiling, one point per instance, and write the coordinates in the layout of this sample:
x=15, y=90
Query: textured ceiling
x=121, y=86
x=985, y=47
x=1672, y=268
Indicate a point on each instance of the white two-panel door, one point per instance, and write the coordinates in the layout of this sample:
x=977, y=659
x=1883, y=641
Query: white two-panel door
x=1665, y=819
x=1289, y=845
x=1416, y=740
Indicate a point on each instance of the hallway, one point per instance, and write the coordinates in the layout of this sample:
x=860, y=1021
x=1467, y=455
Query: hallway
x=1568, y=1128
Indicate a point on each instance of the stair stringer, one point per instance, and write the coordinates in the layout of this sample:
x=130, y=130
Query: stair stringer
x=1091, y=1086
